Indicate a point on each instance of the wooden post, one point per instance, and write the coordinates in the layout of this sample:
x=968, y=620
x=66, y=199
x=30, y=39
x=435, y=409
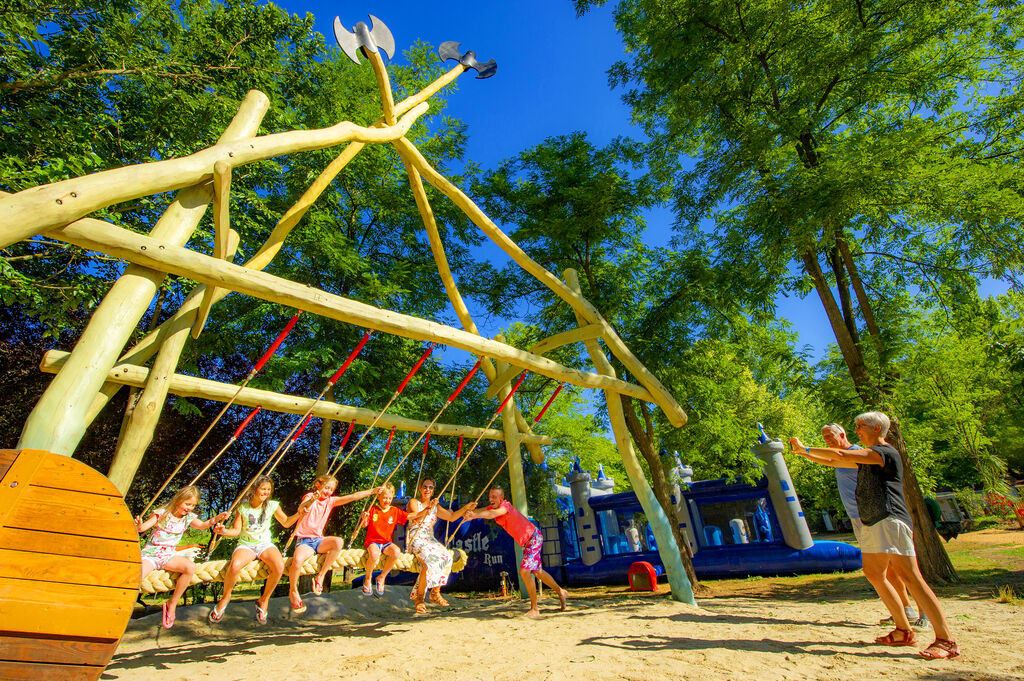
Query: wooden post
x=515, y=461
x=138, y=434
x=660, y=524
x=58, y=421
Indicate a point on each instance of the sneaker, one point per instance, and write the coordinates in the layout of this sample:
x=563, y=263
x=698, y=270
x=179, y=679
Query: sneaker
x=921, y=624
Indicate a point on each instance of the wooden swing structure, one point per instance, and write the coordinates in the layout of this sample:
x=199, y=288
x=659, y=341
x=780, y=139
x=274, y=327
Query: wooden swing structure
x=99, y=365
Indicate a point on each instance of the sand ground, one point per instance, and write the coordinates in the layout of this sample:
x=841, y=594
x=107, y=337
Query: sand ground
x=771, y=629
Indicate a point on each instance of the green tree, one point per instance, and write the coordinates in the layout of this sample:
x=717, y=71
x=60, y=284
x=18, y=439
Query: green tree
x=87, y=85
x=849, y=138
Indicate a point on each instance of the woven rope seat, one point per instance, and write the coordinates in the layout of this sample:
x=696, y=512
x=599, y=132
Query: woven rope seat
x=213, y=571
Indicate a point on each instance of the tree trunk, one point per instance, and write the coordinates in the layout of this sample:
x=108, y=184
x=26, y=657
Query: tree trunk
x=851, y=353
x=644, y=442
x=931, y=554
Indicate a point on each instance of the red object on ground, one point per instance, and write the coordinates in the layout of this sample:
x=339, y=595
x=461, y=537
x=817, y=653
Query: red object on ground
x=642, y=577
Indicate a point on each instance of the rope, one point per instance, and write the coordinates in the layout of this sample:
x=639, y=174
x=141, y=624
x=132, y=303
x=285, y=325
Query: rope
x=448, y=537
x=252, y=373
x=401, y=387
x=482, y=432
x=213, y=571
x=451, y=500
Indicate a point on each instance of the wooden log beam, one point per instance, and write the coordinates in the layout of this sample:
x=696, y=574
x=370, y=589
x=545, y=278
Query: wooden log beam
x=682, y=590
x=105, y=238
x=580, y=305
x=59, y=419
x=37, y=210
x=146, y=348
x=589, y=332
x=448, y=280
x=202, y=388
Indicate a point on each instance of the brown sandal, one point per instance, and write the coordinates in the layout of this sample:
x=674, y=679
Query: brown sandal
x=421, y=607
x=436, y=597
x=906, y=638
x=941, y=649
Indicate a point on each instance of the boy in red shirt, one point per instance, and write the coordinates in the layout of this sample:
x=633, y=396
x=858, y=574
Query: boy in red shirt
x=526, y=534
x=380, y=521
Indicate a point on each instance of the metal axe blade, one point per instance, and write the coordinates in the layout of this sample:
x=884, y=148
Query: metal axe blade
x=365, y=37
x=450, y=50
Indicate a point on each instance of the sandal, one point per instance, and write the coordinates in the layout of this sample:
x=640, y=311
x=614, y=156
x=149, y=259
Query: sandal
x=906, y=638
x=367, y=589
x=215, y=615
x=941, y=649
x=421, y=608
x=318, y=585
x=168, y=617
x=261, y=614
x=298, y=607
x=436, y=597
x=378, y=588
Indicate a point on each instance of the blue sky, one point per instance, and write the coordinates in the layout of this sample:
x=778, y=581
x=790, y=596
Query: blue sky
x=551, y=80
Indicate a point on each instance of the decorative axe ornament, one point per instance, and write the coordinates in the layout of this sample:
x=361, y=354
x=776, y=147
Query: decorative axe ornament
x=379, y=36
x=450, y=50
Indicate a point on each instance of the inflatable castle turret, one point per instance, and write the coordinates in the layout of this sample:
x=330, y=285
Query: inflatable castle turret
x=795, y=532
x=586, y=521
x=676, y=476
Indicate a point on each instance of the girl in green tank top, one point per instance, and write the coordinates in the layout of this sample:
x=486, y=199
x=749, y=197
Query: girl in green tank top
x=252, y=527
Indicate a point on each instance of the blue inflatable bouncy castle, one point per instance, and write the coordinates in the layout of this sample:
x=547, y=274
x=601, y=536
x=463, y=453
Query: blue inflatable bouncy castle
x=734, y=530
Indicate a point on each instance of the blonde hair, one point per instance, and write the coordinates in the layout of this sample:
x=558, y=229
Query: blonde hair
x=323, y=479
x=387, y=487
x=187, y=492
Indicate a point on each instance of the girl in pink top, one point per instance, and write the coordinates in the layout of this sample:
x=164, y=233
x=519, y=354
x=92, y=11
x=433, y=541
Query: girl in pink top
x=526, y=534
x=313, y=512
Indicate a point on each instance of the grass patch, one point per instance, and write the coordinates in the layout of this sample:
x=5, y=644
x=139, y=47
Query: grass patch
x=1006, y=594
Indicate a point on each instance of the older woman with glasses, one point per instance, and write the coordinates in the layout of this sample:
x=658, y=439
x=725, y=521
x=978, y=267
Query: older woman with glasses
x=435, y=560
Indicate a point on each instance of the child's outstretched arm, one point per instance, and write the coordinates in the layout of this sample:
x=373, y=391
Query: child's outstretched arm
x=355, y=496
x=141, y=527
x=289, y=520
x=416, y=515
x=234, y=531
x=198, y=524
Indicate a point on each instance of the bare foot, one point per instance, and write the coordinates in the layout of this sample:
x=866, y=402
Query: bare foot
x=532, y=613
x=562, y=596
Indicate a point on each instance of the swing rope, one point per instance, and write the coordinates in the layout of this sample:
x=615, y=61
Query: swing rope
x=426, y=431
x=331, y=470
x=451, y=501
x=289, y=440
x=423, y=457
x=483, y=432
x=234, y=436
x=252, y=373
x=487, y=486
x=359, y=526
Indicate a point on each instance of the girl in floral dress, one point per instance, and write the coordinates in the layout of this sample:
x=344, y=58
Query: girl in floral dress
x=435, y=560
x=160, y=552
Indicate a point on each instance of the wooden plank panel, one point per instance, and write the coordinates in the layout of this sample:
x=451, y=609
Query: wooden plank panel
x=16, y=481
x=69, y=545
x=63, y=619
x=69, y=570
x=56, y=650
x=62, y=472
x=54, y=592
x=7, y=457
x=69, y=512
x=23, y=671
